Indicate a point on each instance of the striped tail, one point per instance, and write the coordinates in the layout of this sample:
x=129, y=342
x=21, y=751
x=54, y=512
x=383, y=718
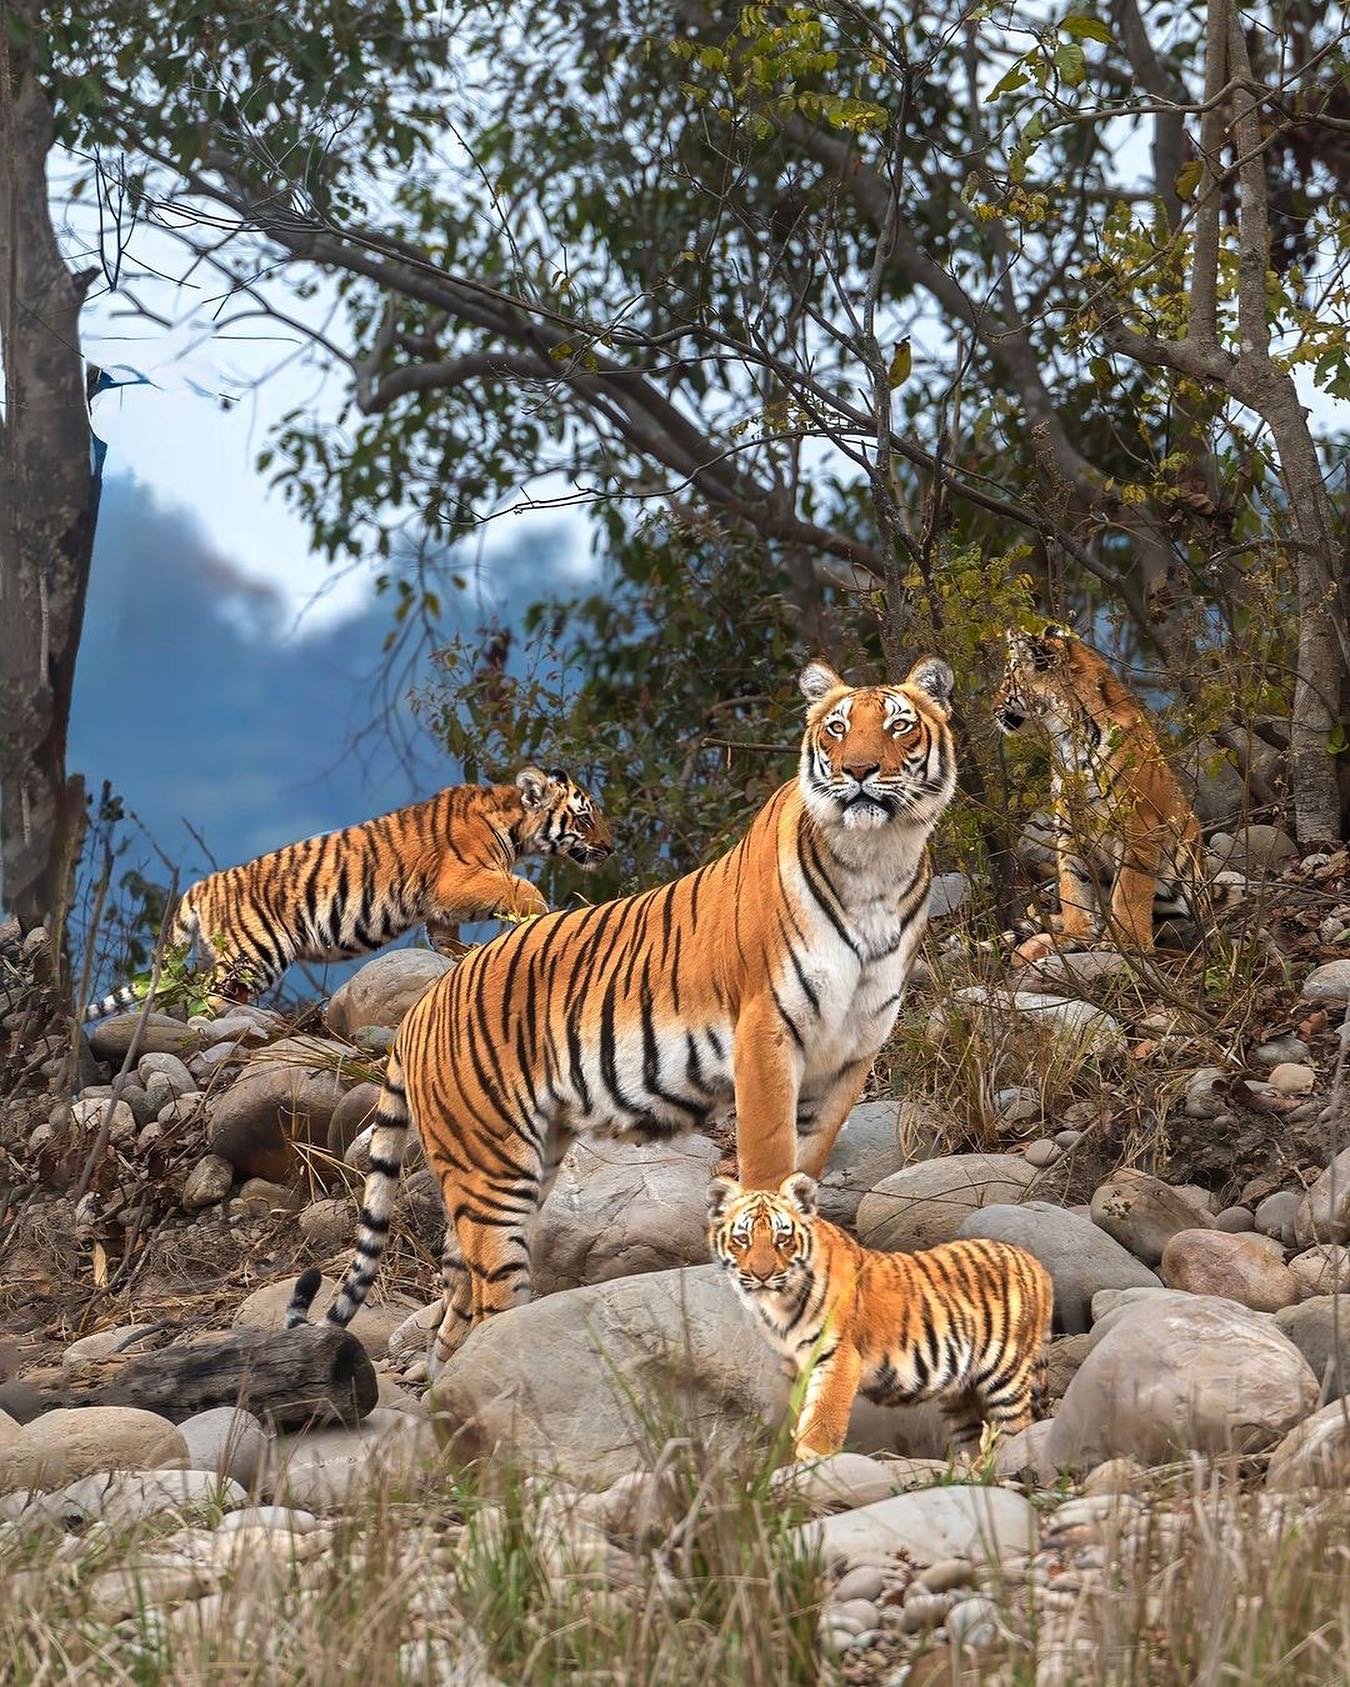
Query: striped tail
x=388, y=1142
x=116, y=1001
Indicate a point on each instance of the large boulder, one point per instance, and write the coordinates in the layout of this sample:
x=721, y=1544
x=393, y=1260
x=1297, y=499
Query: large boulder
x=1320, y=1329
x=60, y=1446
x=1081, y=1259
x=975, y=1523
x=1324, y=1213
x=382, y=991
x=1231, y=1267
x=1176, y=1373
x=1253, y=850
x=621, y=1208
x=873, y=1144
x=579, y=1383
x=281, y=1099
x=1314, y=1454
x=925, y=1204
x=1143, y=1213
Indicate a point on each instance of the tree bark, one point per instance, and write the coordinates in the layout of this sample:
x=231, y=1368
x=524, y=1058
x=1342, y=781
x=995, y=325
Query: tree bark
x=48, y=500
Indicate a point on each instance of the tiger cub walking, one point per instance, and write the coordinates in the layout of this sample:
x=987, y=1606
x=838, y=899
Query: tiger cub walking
x=434, y=863
x=965, y=1323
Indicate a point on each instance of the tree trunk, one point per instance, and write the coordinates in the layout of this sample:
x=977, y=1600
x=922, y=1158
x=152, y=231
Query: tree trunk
x=48, y=500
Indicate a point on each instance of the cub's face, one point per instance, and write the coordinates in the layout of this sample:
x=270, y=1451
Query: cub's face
x=567, y=819
x=1039, y=673
x=763, y=1239
x=877, y=755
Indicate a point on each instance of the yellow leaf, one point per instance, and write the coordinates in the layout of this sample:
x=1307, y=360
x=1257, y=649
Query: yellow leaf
x=901, y=362
x=1188, y=178
x=100, y=1266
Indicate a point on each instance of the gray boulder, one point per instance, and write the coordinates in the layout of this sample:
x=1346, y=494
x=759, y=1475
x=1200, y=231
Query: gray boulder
x=1327, y=983
x=1314, y=1454
x=383, y=990
x=111, y=1038
x=1143, y=1213
x=1324, y=1212
x=1320, y=1329
x=975, y=1523
x=1081, y=1259
x=925, y=1204
x=275, y=1103
x=868, y=1150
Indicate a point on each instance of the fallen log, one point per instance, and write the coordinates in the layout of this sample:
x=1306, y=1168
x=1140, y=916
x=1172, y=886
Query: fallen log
x=315, y=1373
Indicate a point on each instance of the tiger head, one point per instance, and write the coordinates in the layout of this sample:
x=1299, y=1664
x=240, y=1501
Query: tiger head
x=764, y=1240
x=561, y=818
x=1039, y=677
x=875, y=755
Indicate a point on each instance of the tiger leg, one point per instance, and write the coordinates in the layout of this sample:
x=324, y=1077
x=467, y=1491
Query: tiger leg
x=443, y=935
x=767, y=1072
x=477, y=893
x=817, y=1136
x=456, y=1302
x=831, y=1389
x=963, y=1413
x=1006, y=1397
x=1078, y=907
x=1130, y=922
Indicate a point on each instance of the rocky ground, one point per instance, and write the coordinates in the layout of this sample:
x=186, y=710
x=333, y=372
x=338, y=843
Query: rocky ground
x=593, y=1487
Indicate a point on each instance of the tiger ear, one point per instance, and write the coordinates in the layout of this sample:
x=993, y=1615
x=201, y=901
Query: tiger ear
x=722, y=1191
x=799, y=1191
x=534, y=792
x=560, y=776
x=817, y=680
x=1057, y=629
x=935, y=679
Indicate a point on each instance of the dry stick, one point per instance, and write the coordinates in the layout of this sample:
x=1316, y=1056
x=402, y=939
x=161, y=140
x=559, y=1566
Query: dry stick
x=1335, y=1108
x=133, y=1048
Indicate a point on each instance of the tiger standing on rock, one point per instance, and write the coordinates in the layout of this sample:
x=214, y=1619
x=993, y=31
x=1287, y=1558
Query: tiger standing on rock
x=965, y=1323
x=768, y=979
x=435, y=863
x=1118, y=807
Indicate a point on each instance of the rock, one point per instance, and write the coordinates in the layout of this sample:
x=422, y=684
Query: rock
x=1320, y=1329
x=1022, y=1457
x=1078, y=1028
x=124, y=1502
x=226, y=1442
x=87, y=1117
x=181, y=1109
x=973, y=1624
x=383, y=990
x=618, y=1209
x=265, y=1309
x=111, y=1038
x=69, y=1443
x=1276, y=1215
x=285, y=1518
x=353, y=1114
x=868, y=1149
x=1083, y=969
x=126, y=1338
x=275, y=1102
x=208, y=1183
x=866, y=1582
x=1201, y=1101
x=1291, y=1077
x=413, y=1336
x=1314, y=1454
x=239, y=1026
x=1115, y=1476
x=1253, y=850
x=138, y=1100
x=1328, y=983
x=1068, y=1138
x=1081, y=1258
x=1181, y=1373
x=947, y=893
x=1042, y=1154
x=1281, y=1049
x=1063, y=1357
x=329, y=1225
x=1323, y=1269
x=926, y=1203
x=258, y=1197
x=1143, y=1214
x=560, y=1383
x=169, y=1069
x=1324, y=1212
x=1235, y=1221
x=1018, y=1104
x=318, y=1470
x=977, y=1523
x=1240, y=1268
x=837, y=1483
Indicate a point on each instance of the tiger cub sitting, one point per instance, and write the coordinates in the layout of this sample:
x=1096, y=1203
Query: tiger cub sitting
x=965, y=1323
x=1119, y=810
x=434, y=863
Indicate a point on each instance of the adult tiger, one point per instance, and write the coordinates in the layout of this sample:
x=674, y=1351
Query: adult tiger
x=1118, y=808
x=434, y=863
x=965, y=1323
x=769, y=978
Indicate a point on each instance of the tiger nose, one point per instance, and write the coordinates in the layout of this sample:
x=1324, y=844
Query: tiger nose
x=861, y=771
x=761, y=1273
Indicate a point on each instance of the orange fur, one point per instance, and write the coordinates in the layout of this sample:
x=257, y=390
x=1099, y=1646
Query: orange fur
x=1119, y=809
x=434, y=863
x=965, y=1323
x=768, y=980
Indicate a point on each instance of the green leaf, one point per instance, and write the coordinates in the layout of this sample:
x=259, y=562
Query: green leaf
x=1009, y=82
x=1071, y=64
x=1188, y=178
x=1086, y=29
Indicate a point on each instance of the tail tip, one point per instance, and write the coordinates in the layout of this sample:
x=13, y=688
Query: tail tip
x=302, y=1297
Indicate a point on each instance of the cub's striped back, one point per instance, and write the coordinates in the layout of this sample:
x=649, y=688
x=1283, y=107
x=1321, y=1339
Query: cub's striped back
x=435, y=863
x=965, y=1323
x=767, y=979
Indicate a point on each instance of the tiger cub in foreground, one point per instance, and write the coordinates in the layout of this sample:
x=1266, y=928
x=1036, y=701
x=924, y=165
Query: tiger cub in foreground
x=1119, y=810
x=434, y=863
x=769, y=978
x=965, y=1323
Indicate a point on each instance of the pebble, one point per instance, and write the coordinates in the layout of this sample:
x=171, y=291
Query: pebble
x=1290, y=1077
x=208, y=1183
x=1017, y=1105
x=973, y=1623
x=1279, y=1050
x=1235, y=1220
x=860, y=1613
x=946, y=1574
x=126, y=1338
x=1328, y=983
x=1042, y=1153
x=169, y=1069
x=1114, y=1476
x=864, y=1582
x=923, y=1611
x=289, y=1518
x=1068, y=1138
x=1276, y=1214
